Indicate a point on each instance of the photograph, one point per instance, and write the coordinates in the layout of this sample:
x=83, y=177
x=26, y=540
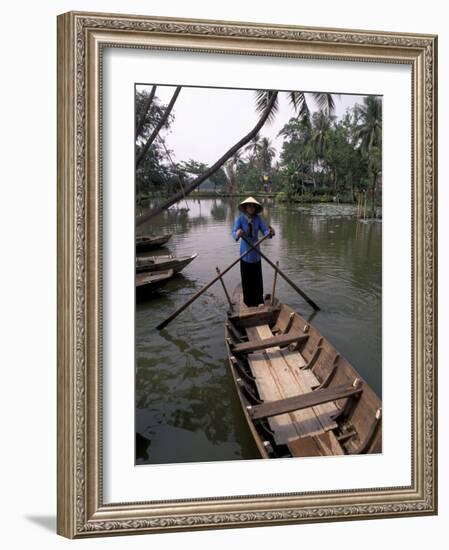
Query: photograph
x=258, y=273
x=247, y=277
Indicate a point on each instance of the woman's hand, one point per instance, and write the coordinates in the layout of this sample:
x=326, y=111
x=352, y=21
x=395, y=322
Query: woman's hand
x=272, y=233
x=239, y=233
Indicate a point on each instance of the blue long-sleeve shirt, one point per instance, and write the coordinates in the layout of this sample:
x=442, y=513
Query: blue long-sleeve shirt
x=258, y=225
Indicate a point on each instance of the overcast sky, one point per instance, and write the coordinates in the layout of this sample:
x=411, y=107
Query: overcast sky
x=208, y=121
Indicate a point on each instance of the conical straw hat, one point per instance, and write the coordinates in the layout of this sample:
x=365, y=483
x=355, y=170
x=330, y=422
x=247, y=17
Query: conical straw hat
x=250, y=200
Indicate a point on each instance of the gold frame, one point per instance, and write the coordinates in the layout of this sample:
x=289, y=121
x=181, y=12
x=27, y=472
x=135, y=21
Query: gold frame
x=81, y=37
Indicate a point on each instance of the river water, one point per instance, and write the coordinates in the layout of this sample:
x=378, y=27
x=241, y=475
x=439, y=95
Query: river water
x=186, y=406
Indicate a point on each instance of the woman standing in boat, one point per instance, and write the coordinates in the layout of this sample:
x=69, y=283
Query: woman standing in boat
x=248, y=224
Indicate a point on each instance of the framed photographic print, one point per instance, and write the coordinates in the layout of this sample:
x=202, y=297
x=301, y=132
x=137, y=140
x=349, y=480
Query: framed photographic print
x=246, y=274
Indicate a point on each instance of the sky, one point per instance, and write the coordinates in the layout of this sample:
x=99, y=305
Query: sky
x=208, y=121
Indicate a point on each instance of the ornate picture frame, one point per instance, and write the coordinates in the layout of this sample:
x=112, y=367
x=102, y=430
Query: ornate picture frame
x=82, y=36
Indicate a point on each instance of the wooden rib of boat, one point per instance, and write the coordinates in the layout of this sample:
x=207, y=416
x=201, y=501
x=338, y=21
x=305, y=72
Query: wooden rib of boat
x=148, y=242
x=299, y=395
x=162, y=263
x=146, y=283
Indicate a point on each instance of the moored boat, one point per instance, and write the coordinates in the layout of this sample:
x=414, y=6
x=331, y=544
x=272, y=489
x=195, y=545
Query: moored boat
x=299, y=395
x=146, y=283
x=162, y=263
x=148, y=242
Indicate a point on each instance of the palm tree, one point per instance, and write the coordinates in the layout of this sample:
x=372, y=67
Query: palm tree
x=216, y=166
x=267, y=105
x=266, y=154
x=369, y=123
x=141, y=123
x=320, y=136
x=310, y=132
x=321, y=124
x=230, y=168
x=158, y=126
x=253, y=147
x=369, y=136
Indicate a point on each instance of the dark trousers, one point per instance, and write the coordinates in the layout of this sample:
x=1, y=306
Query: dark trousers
x=252, y=283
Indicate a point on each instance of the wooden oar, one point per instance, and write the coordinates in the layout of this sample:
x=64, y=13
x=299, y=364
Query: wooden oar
x=162, y=325
x=274, y=283
x=231, y=305
x=283, y=275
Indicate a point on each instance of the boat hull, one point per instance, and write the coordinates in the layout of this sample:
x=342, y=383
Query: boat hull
x=162, y=263
x=148, y=283
x=317, y=404
x=149, y=243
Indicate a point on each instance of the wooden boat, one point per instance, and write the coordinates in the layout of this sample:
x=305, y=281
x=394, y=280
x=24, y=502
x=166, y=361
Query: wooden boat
x=147, y=242
x=162, y=263
x=299, y=395
x=146, y=283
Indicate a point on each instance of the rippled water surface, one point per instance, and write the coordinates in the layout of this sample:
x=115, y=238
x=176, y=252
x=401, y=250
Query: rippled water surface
x=186, y=406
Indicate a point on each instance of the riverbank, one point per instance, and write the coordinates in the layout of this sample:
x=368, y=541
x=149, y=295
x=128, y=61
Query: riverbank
x=279, y=197
x=351, y=209
x=215, y=194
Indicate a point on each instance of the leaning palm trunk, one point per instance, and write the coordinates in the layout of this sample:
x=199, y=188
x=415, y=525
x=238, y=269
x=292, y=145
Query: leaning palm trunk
x=231, y=178
x=210, y=171
x=232, y=184
x=158, y=127
x=145, y=111
x=373, y=198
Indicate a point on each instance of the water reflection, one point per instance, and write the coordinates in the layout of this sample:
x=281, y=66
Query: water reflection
x=186, y=406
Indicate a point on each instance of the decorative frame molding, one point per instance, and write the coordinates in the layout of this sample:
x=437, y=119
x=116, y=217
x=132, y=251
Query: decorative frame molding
x=81, y=37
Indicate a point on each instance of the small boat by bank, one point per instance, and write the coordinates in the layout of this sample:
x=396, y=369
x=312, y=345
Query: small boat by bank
x=299, y=395
x=162, y=263
x=148, y=242
x=146, y=283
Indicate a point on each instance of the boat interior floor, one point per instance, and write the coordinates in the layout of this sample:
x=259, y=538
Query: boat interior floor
x=280, y=374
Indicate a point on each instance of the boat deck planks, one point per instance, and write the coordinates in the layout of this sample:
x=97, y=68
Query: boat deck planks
x=309, y=382
x=273, y=367
x=287, y=374
x=269, y=389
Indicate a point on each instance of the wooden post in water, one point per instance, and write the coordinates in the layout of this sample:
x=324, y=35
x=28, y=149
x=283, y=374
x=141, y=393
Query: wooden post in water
x=274, y=282
x=231, y=305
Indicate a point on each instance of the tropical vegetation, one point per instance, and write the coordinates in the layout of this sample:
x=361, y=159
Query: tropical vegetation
x=322, y=158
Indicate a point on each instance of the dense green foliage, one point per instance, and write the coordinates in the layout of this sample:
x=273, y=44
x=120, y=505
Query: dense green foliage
x=158, y=174
x=322, y=158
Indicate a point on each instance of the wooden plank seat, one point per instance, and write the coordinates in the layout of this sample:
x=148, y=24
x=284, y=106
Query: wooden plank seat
x=254, y=316
x=304, y=401
x=275, y=341
x=309, y=382
x=278, y=375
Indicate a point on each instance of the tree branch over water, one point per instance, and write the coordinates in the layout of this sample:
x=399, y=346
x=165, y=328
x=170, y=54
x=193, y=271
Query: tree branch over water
x=203, y=177
x=145, y=111
x=158, y=127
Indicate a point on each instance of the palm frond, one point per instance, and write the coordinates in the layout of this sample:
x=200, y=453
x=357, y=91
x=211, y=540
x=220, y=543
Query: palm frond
x=325, y=102
x=262, y=99
x=295, y=98
x=298, y=102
